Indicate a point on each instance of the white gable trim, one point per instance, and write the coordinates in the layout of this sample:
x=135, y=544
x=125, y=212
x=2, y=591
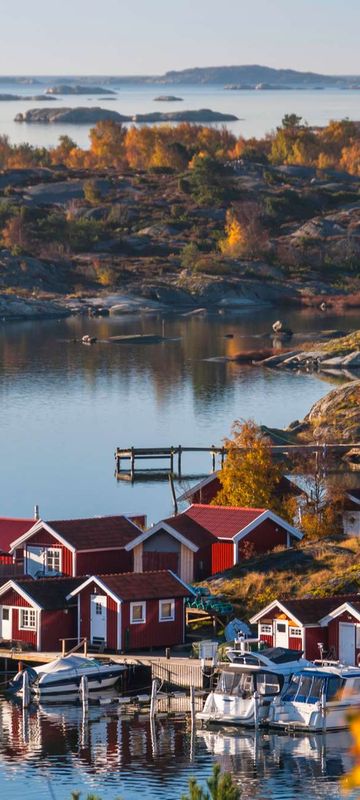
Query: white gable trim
x=351, y=497
x=185, y=585
x=171, y=531
x=198, y=486
x=13, y=585
x=101, y=586
x=35, y=528
x=261, y=518
x=257, y=617
x=337, y=613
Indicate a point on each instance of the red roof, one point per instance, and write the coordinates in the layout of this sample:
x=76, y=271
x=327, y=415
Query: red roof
x=96, y=533
x=11, y=529
x=310, y=610
x=145, y=585
x=223, y=521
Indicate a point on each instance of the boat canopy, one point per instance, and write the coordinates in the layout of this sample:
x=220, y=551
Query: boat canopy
x=67, y=663
x=244, y=684
x=308, y=687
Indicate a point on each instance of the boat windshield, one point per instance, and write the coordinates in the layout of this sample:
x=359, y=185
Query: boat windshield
x=239, y=684
x=243, y=684
x=308, y=688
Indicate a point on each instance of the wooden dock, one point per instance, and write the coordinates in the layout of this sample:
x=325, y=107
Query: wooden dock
x=173, y=454
x=176, y=671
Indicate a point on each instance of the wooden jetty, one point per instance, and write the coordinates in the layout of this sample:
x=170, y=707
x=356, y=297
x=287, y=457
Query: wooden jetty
x=172, y=453
x=174, y=671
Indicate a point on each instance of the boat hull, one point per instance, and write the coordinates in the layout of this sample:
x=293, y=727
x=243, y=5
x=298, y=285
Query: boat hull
x=56, y=685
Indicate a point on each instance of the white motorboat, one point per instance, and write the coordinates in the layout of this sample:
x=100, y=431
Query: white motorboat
x=63, y=676
x=247, y=686
x=320, y=698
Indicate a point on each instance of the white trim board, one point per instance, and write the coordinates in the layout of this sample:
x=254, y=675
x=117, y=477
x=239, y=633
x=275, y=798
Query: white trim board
x=168, y=529
x=275, y=603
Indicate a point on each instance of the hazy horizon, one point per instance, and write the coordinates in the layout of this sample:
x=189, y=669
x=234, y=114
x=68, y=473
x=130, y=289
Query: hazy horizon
x=119, y=38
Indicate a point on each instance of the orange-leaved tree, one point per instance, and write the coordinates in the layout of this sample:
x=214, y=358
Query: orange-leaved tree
x=250, y=477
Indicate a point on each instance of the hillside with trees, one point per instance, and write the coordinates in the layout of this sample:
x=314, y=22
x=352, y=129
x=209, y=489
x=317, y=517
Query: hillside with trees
x=188, y=207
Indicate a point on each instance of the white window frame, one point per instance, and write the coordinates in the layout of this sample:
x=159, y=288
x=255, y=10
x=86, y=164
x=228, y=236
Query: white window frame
x=141, y=621
x=269, y=629
x=295, y=632
x=172, y=612
x=57, y=551
x=22, y=625
x=357, y=637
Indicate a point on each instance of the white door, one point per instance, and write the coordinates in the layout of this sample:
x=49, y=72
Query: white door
x=34, y=561
x=98, y=616
x=347, y=643
x=6, y=623
x=281, y=633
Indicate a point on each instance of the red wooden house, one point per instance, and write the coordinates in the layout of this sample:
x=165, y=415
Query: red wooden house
x=76, y=546
x=329, y=625
x=10, y=529
x=133, y=610
x=204, y=540
x=205, y=491
x=37, y=613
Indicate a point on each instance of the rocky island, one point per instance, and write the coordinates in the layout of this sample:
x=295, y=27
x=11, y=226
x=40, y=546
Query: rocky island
x=167, y=98
x=64, y=88
x=92, y=115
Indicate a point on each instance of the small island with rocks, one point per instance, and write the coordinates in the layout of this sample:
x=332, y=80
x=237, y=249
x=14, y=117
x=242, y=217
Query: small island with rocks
x=64, y=88
x=168, y=98
x=92, y=115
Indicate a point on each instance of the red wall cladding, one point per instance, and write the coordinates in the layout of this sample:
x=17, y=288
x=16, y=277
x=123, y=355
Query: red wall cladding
x=222, y=556
x=265, y=537
x=152, y=633
x=105, y=562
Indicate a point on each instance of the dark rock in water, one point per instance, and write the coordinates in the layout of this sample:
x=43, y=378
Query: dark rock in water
x=64, y=88
x=281, y=331
x=228, y=335
x=36, y=97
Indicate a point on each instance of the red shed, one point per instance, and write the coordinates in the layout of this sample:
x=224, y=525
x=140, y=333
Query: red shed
x=73, y=547
x=132, y=611
x=37, y=612
x=333, y=622
x=205, y=491
x=204, y=540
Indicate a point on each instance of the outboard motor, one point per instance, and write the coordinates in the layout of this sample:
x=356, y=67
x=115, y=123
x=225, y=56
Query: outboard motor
x=16, y=683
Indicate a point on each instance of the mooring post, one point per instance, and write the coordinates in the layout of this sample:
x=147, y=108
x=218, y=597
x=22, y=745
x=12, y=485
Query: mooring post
x=179, y=460
x=118, y=461
x=222, y=456
x=132, y=462
x=84, y=691
x=153, y=702
x=25, y=689
x=213, y=458
x=171, y=459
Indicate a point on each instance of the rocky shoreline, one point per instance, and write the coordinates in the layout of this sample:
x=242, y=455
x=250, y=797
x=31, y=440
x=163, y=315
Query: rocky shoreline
x=92, y=115
x=339, y=353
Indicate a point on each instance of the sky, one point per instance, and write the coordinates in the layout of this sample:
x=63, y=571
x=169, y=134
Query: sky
x=124, y=37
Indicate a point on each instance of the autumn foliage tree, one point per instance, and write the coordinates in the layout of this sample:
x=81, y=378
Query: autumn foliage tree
x=245, y=236
x=250, y=476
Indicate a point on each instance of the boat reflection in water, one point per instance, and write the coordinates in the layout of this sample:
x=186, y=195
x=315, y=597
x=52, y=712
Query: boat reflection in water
x=111, y=754
x=301, y=758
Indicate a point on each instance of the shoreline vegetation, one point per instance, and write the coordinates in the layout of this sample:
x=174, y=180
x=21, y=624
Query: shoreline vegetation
x=182, y=216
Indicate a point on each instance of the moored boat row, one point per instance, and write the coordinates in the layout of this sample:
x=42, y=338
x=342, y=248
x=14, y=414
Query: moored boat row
x=278, y=688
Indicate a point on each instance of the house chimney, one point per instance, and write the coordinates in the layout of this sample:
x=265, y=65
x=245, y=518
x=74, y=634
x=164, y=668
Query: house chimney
x=36, y=512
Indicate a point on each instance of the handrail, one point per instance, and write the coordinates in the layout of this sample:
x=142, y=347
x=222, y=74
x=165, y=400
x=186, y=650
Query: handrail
x=82, y=643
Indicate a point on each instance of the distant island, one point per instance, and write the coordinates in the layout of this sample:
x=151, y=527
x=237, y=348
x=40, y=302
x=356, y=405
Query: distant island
x=240, y=76
x=65, y=88
x=34, y=99
x=90, y=116
x=168, y=98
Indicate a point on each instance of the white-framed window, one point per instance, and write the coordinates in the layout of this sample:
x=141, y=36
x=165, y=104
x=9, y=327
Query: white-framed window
x=266, y=629
x=27, y=618
x=296, y=632
x=166, y=610
x=358, y=637
x=53, y=560
x=98, y=608
x=138, y=612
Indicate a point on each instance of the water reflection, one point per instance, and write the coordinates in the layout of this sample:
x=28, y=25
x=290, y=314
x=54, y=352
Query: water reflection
x=110, y=754
x=65, y=407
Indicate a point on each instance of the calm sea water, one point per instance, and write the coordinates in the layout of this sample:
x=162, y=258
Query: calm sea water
x=50, y=751
x=258, y=112
x=65, y=407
